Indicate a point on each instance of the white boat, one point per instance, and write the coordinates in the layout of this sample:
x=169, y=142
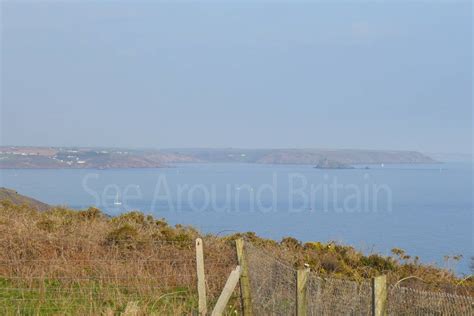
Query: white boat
x=117, y=202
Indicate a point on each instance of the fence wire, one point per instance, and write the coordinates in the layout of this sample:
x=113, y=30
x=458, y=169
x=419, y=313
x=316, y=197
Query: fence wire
x=159, y=278
x=406, y=301
x=273, y=283
x=329, y=296
x=273, y=286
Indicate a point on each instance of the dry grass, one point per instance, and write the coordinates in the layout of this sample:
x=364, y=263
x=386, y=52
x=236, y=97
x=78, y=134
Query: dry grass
x=64, y=260
x=83, y=262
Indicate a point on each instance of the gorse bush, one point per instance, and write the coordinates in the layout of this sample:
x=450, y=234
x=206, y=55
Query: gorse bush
x=378, y=262
x=92, y=213
x=126, y=235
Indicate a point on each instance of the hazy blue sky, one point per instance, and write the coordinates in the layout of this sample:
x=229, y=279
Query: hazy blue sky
x=392, y=75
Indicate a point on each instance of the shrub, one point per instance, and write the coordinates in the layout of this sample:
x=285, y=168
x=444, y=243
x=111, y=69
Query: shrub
x=46, y=224
x=91, y=213
x=125, y=235
x=134, y=218
x=330, y=263
x=315, y=246
x=378, y=262
x=291, y=242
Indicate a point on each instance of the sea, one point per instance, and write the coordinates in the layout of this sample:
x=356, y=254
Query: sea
x=424, y=209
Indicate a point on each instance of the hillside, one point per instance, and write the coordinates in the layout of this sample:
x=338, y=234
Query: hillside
x=303, y=156
x=63, y=261
x=82, y=158
x=18, y=199
x=106, y=158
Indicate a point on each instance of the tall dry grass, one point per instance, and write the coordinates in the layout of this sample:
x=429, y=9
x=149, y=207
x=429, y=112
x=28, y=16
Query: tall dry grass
x=83, y=262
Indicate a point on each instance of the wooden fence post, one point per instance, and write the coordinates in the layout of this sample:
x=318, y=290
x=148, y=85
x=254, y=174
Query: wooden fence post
x=301, y=297
x=379, y=296
x=201, y=278
x=227, y=292
x=244, y=279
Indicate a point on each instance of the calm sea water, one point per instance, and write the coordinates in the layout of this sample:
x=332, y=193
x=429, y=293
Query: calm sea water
x=424, y=209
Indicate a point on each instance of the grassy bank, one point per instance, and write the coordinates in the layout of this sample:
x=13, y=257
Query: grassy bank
x=83, y=262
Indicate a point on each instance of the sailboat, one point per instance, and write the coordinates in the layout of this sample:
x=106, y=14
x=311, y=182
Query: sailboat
x=117, y=202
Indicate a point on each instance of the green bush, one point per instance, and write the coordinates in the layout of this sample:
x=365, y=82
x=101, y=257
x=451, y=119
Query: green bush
x=378, y=262
x=126, y=235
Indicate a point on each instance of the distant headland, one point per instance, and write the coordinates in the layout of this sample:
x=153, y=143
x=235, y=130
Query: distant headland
x=13, y=157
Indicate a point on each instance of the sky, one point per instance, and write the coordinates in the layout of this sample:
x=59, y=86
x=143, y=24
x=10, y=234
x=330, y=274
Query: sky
x=371, y=75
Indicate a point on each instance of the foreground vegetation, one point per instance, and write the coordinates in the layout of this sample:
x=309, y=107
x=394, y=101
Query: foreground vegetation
x=84, y=262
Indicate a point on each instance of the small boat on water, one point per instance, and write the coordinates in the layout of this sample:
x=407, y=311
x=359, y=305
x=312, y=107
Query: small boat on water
x=117, y=201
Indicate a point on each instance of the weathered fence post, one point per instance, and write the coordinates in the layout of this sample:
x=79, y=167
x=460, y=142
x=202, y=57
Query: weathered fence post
x=201, y=278
x=244, y=279
x=379, y=296
x=227, y=292
x=301, y=297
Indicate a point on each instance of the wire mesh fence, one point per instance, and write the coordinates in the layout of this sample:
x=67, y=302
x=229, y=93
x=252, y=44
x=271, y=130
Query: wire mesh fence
x=53, y=276
x=407, y=301
x=273, y=285
x=329, y=296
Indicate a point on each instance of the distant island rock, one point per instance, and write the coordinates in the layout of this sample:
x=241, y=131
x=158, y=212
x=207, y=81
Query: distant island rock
x=331, y=164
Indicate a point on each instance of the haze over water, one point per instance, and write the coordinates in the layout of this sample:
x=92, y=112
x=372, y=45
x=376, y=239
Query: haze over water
x=424, y=209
